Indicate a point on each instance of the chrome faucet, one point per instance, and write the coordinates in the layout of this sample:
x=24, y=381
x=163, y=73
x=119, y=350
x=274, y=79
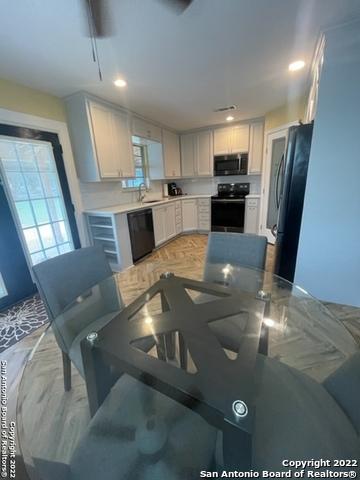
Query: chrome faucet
x=141, y=195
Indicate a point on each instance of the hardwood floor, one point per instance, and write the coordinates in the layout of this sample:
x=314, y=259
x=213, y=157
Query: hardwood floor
x=185, y=257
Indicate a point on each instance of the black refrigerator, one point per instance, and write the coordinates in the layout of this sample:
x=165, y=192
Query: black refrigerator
x=295, y=168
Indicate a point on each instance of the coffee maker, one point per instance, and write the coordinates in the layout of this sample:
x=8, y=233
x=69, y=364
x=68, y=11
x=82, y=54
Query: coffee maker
x=173, y=190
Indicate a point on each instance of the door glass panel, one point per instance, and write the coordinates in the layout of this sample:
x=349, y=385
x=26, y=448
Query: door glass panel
x=277, y=151
x=33, y=185
x=47, y=235
x=3, y=291
x=34, y=191
x=17, y=185
x=25, y=214
x=32, y=239
x=40, y=211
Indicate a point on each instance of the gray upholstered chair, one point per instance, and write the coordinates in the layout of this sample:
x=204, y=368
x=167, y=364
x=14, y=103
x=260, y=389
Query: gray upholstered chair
x=80, y=295
x=238, y=249
x=235, y=249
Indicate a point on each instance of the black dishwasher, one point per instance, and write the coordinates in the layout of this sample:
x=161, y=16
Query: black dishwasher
x=141, y=229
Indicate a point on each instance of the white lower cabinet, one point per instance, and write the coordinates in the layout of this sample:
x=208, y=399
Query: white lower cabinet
x=164, y=219
x=204, y=214
x=159, y=220
x=189, y=215
x=170, y=220
x=252, y=215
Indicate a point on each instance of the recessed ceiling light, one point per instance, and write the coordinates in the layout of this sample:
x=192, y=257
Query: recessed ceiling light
x=120, y=82
x=298, y=65
x=229, y=118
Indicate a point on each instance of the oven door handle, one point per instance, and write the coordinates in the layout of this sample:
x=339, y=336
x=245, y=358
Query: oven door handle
x=228, y=200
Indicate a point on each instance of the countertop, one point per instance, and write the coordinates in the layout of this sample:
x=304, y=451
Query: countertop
x=130, y=207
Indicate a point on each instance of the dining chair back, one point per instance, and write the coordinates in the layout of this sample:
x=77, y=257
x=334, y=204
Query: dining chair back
x=226, y=251
x=80, y=295
x=234, y=249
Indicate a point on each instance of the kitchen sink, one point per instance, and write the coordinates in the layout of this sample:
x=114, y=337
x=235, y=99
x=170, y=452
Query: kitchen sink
x=151, y=201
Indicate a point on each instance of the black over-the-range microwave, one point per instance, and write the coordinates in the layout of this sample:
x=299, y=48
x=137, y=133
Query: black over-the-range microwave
x=233, y=164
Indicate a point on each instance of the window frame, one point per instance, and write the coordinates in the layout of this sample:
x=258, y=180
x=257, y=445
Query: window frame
x=145, y=168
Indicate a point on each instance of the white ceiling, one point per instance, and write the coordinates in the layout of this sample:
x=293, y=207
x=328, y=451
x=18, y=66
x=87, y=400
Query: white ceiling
x=178, y=67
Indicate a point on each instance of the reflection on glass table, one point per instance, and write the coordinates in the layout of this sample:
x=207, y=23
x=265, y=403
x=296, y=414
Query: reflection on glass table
x=246, y=370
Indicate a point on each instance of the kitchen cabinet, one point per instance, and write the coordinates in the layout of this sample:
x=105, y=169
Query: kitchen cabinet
x=187, y=145
x=204, y=214
x=159, y=220
x=231, y=140
x=171, y=151
x=111, y=232
x=178, y=217
x=251, y=215
x=143, y=129
x=123, y=144
x=101, y=139
x=170, y=221
x=196, y=154
x=189, y=215
x=256, y=148
x=164, y=220
x=204, y=153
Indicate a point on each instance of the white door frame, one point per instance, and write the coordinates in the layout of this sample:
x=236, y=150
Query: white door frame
x=270, y=135
x=19, y=119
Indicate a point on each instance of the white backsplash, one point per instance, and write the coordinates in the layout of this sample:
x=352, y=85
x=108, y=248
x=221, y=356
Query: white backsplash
x=106, y=194
x=194, y=186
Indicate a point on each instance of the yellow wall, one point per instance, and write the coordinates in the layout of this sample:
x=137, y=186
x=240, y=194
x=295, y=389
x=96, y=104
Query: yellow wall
x=294, y=110
x=27, y=100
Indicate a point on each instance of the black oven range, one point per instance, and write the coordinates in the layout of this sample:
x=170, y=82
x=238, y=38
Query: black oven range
x=228, y=207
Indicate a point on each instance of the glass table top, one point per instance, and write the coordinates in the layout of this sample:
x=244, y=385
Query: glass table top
x=228, y=369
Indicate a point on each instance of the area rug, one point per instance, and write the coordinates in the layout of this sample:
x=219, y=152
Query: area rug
x=21, y=320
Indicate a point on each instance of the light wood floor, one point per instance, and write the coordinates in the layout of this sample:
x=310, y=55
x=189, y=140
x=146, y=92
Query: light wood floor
x=185, y=257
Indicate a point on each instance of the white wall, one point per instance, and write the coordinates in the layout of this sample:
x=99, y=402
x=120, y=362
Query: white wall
x=328, y=263
x=209, y=185
x=107, y=194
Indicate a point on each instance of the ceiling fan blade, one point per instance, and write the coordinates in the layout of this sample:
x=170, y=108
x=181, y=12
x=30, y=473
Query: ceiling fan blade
x=98, y=19
x=178, y=5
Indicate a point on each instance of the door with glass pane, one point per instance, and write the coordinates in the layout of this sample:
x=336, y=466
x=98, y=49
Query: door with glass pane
x=36, y=193
x=273, y=170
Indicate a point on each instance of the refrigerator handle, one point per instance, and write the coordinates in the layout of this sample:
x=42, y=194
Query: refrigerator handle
x=277, y=196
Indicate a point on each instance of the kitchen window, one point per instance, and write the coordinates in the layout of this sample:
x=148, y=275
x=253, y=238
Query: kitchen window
x=141, y=170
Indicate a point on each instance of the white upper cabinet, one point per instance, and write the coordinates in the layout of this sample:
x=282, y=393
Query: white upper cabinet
x=187, y=143
x=171, y=148
x=231, y=140
x=123, y=144
x=144, y=129
x=239, y=139
x=256, y=148
x=104, y=141
x=204, y=160
x=222, y=141
x=101, y=139
x=196, y=154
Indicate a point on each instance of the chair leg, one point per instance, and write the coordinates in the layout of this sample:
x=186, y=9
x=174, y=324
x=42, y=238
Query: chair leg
x=67, y=371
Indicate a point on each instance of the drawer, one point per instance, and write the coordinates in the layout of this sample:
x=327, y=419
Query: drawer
x=204, y=216
x=204, y=209
x=252, y=202
x=204, y=202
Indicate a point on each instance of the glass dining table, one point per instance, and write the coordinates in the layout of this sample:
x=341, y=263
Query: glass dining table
x=235, y=370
